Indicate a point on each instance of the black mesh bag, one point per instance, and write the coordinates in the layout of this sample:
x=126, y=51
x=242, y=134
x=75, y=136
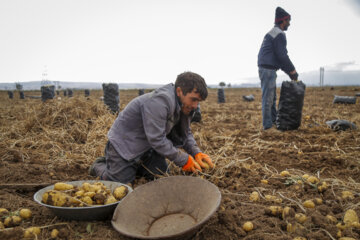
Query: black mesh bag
x=341, y=125
x=344, y=99
x=221, y=95
x=111, y=96
x=47, y=92
x=291, y=102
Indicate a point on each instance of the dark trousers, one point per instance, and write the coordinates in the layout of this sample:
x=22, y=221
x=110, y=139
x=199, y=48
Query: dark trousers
x=125, y=171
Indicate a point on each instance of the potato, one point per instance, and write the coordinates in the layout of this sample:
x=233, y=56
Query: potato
x=290, y=228
x=55, y=198
x=318, y=201
x=322, y=187
x=274, y=210
x=285, y=174
x=54, y=233
x=273, y=198
x=3, y=212
x=95, y=188
x=90, y=194
x=86, y=186
x=248, y=226
x=299, y=238
x=79, y=193
x=347, y=238
x=309, y=204
x=31, y=232
x=350, y=217
x=331, y=219
x=60, y=186
x=341, y=226
x=99, y=184
x=206, y=166
x=87, y=200
x=356, y=225
x=288, y=212
x=12, y=221
x=254, y=197
x=25, y=213
x=300, y=217
x=264, y=181
x=100, y=198
x=305, y=176
x=312, y=179
x=1, y=225
x=120, y=192
x=73, y=202
x=347, y=195
x=110, y=199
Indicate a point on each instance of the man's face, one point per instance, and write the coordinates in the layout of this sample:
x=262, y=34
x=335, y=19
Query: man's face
x=286, y=24
x=189, y=101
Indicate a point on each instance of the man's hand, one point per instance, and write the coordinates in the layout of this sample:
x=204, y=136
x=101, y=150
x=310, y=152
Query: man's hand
x=202, y=159
x=294, y=75
x=191, y=165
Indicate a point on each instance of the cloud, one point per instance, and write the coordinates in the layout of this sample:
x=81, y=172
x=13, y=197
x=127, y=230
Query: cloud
x=343, y=66
x=355, y=6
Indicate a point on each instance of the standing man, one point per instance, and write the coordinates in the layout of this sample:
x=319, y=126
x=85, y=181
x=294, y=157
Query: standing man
x=272, y=57
x=153, y=127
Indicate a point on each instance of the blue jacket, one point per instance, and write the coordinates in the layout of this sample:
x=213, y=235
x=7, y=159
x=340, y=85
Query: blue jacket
x=147, y=122
x=273, y=52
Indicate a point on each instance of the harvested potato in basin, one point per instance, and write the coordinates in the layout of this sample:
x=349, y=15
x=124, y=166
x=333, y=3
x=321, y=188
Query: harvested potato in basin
x=88, y=194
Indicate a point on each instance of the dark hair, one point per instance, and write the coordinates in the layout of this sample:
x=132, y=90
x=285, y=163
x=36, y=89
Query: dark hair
x=188, y=81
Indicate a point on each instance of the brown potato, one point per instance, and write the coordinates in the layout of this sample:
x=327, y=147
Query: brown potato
x=300, y=217
x=25, y=213
x=87, y=200
x=100, y=198
x=60, y=186
x=120, y=192
x=31, y=232
x=248, y=226
x=54, y=233
x=110, y=199
x=55, y=198
x=3, y=212
x=12, y=221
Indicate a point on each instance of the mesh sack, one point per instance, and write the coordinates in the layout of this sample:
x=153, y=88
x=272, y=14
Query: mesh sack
x=291, y=102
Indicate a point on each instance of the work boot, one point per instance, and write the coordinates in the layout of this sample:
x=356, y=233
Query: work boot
x=98, y=160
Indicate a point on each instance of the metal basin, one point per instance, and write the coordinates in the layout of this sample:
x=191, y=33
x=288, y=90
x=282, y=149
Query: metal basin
x=168, y=208
x=98, y=212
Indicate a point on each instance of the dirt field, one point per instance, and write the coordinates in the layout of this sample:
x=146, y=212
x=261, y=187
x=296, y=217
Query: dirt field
x=44, y=143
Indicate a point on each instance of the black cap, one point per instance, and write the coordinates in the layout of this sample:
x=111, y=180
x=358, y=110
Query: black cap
x=281, y=15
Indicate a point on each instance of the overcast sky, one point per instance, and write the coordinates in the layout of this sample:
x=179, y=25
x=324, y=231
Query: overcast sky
x=152, y=41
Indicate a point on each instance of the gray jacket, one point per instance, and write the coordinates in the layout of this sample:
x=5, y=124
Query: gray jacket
x=148, y=122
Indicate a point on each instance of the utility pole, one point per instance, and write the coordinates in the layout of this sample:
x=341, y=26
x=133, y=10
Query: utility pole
x=45, y=80
x=322, y=71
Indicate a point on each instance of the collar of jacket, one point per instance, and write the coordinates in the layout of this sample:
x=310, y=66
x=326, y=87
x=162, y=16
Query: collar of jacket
x=178, y=99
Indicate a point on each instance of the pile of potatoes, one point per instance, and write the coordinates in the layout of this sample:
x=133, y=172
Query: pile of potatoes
x=68, y=195
x=12, y=219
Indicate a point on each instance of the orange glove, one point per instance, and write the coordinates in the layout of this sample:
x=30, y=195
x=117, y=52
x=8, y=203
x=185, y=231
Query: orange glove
x=191, y=165
x=203, y=159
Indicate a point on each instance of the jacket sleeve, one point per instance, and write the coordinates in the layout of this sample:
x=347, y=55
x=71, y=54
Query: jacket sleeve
x=282, y=54
x=190, y=145
x=155, y=112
